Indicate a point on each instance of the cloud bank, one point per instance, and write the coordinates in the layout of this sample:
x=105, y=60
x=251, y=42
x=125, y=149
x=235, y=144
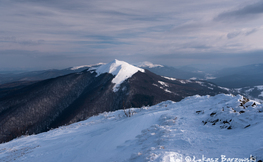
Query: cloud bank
x=67, y=33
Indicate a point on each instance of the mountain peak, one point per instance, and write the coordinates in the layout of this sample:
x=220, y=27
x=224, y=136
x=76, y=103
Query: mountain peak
x=120, y=69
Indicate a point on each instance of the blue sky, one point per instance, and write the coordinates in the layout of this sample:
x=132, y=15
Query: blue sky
x=43, y=34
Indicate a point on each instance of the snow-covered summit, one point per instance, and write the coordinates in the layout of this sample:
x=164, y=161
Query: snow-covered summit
x=147, y=64
x=120, y=69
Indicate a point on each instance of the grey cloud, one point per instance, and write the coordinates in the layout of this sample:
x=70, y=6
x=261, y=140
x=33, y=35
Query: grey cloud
x=30, y=42
x=241, y=33
x=13, y=39
x=196, y=45
x=251, y=31
x=233, y=35
x=246, y=13
x=62, y=4
x=89, y=31
x=189, y=27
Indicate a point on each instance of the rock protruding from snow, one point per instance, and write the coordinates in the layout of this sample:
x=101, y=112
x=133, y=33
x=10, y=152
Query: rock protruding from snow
x=120, y=69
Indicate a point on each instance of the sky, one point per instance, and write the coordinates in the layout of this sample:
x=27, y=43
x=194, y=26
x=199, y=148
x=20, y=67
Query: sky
x=45, y=34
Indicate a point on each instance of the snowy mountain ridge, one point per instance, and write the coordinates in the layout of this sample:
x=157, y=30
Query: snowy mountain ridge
x=147, y=64
x=76, y=96
x=86, y=66
x=198, y=127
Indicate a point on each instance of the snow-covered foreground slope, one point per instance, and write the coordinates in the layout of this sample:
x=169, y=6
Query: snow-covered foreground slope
x=197, y=127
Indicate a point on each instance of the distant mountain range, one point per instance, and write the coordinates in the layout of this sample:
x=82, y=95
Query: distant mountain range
x=40, y=75
x=236, y=77
x=36, y=106
x=180, y=73
x=250, y=75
